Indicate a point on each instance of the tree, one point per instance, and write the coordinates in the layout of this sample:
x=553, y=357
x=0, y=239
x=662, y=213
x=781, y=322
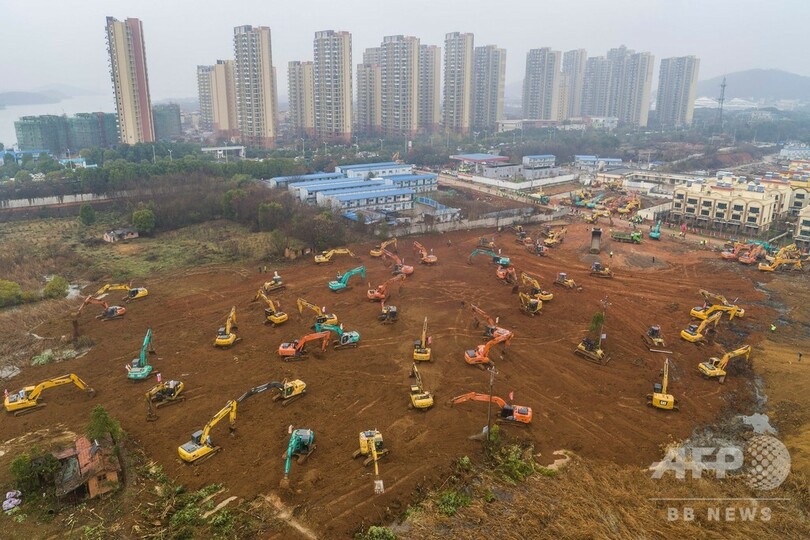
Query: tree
x=34, y=471
x=22, y=177
x=597, y=321
x=87, y=215
x=101, y=424
x=57, y=287
x=10, y=293
x=144, y=221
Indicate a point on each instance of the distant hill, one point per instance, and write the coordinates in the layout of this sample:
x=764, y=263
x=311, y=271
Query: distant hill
x=758, y=84
x=29, y=98
x=67, y=90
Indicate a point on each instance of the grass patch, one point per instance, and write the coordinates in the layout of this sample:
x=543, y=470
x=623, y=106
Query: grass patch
x=449, y=501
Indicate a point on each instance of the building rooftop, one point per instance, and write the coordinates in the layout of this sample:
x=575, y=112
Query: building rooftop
x=365, y=166
x=312, y=176
x=479, y=158
x=353, y=196
x=421, y=176
x=541, y=156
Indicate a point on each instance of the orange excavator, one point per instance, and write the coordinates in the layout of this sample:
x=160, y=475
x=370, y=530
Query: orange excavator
x=297, y=349
x=109, y=313
x=491, y=328
x=425, y=257
x=517, y=414
x=381, y=292
x=734, y=252
x=507, y=274
x=480, y=355
x=399, y=265
x=752, y=256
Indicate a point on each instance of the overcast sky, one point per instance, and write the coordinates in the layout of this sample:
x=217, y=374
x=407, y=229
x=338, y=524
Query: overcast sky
x=56, y=41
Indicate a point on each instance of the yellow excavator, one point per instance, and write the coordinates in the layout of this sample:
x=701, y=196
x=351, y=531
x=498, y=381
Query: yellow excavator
x=555, y=238
x=133, y=293
x=163, y=394
x=536, y=290
x=371, y=447
x=694, y=332
x=780, y=263
x=421, y=347
x=226, y=335
x=420, y=398
x=377, y=251
x=272, y=313
x=528, y=305
x=26, y=400
x=660, y=399
x=289, y=391
x=321, y=316
x=716, y=303
x=325, y=257
x=715, y=368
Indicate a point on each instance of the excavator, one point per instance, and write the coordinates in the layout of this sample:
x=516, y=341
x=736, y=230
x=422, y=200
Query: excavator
x=537, y=248
x=289, y=391
x=161, y=395
x=226, y=335
x=715, y=368
x=371, y=447
x=564, y=281
x=140, y=368
x=109, y=312
x=788, y=252
x=778, y=263
x=325, y=257
x=381, y=292
x=507, y=274
x=752, y=256
x=425, y=256
x=480, y=355
x=486, y=243
x=694, y=332
x=653, y=338
x=388, y=314
x=344, y=339
x=377, y=251
x=601, y=271
x=399, y=264
x=496, y=258
x=272, y=313
x=591, y=350
x=716, y=303
x=655, y=232
x=25, y=401
x=491, y=328
x=528, y=305
x=734, y=252
x=536, y=290
x=555, y=238
x=301, y=446
x=660, y=399
x=421, y=347
x=420, y=398
x=275, y=284
x=321, y=316
x=133, y=293
x=342, y=281
x=296, y=349
x=516, y=414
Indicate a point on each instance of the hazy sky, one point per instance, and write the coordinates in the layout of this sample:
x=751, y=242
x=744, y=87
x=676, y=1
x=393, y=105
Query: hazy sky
x=56, y=41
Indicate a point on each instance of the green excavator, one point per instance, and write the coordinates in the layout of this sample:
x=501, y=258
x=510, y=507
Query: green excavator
x=342, y=281
x=140, y=367
x=302, y=444
x=497, y=259
x=344, y=339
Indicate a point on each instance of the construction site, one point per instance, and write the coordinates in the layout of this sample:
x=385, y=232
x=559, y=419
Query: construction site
x=471, y=308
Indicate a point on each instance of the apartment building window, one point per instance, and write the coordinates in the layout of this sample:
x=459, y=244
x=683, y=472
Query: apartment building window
x=690, y=210
x=704, y=212
x=720, y=215
x=752, y=219
x=706, y=203
x=722, y=206
x=800, y=195
x=738, y=208
x=735, y=217
x=692, y=201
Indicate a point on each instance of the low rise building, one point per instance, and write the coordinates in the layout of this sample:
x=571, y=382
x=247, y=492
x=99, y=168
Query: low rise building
x=802, y=233
x=795, y=151
x=383, y=199
x=117, y=235
x=87, y=468
x=370, y=170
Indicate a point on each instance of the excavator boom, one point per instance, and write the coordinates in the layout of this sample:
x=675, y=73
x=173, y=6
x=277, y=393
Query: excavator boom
x=509, y=413
x=201, y=446
x=26, y=399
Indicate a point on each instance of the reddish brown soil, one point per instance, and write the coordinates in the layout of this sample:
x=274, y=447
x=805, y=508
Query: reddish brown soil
x=597, y=411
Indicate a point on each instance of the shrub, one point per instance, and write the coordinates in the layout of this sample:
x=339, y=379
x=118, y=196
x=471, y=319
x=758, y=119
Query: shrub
x=144, y=221
x=376, y=533
x=450, y=501
x=87, y=215
x=513, y=466
x=57, y=287
x=10, y=293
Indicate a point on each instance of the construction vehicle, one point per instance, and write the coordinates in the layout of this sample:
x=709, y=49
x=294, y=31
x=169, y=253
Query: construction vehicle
x=536, y=291
x=480, y=355
x=592, y=351
x=388, y=314
x=555, y=238
x=301, y=446
x=133, y=293
x=225, y=334
x=789, y=252
x=660, y=399
x=161, y=395
x=592, y=218
x=272, y=313
x=289, y=391
x=778, y=263
x=496, y=258
x=537, y=248
x=486, y=243
x=381, y=292
x=420, y=398
x=297, y=348
x=491, y=328
x=528, y=305
x=655, y=232
x=325, y=257
x=507, y=274
x=275, y=284
x=732, y=253
x=107, y=314
x=320, y=313
x=517, y=414
x=596, y=241
x=421, y=347
x=342, y=281
x=753, y=255
x=653, y=338
x=140, y=368
x=399, y=264
x=564, y=281
x=633, y=237
x=694, y=332
x=377, y=251
x=371, y=443
x=344, y=339
x=601, y=271
x=26, y=400
x=425, y=257
x=716, y=303
x=715, y=368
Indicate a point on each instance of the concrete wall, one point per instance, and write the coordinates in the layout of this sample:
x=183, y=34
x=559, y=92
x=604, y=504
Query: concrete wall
x=422, y=228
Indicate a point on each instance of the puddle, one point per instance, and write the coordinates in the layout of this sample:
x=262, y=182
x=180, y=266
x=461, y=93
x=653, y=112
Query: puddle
x=760, y=422
x=74, y=291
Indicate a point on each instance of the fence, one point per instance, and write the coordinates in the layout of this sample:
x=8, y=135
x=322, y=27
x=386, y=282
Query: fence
x=482, y=223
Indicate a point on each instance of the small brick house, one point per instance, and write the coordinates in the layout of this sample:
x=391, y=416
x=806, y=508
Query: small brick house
x=88, y=468
x=117, y=235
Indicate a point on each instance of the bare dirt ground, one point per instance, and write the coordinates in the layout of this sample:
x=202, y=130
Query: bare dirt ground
x=596, y=411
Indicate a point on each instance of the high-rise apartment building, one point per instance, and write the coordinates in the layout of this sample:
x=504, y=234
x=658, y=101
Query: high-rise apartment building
x=458, y=70
x=167, y=122
x=302, y=98
x=634, y=98
x=332, y=82
x=489, y=76
x=677, y=90
x=430, y=92
x=573, y=70
x=255, y=86
x=369, y=83
x=399, y=77
x=205, y=95
x=226, y=119
x=541, y=85
x=596, y=87
x=619, y=86
x=62, y=135
x=127, y=50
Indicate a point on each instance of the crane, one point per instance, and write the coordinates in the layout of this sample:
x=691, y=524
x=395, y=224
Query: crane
x=496, y=258
x=421, y=399
x=301, y=445
x=344, y=339
x=107, y=314
x=296, y=349
x=491, y=328
x=660, y=399
x=507, y=274
x=714, y=303
x=480, y=355
x=529, y=305
x=536, y=290
x=655, y=232
x=399, y=264
x=381, y=292
x=377, y=251
x=272, y=313
x=421, y=347
x=425, y=257
x=517, y=414
x=694, y=332
x=225, y=334
x=342, y=282
x=715, y=368
x=25, y=401
x=321, y=316
x=325, y=257
x=140, y=368
x=163, y=394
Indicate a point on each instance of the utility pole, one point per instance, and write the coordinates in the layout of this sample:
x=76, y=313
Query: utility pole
x=605, y=305
x=492, y=373
x=720, y=101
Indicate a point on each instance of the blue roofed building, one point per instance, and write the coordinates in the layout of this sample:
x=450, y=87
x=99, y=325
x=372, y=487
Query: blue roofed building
x=282, y=181
x=369, y=170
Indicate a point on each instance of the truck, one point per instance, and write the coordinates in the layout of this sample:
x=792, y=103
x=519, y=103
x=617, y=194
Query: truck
x=628, y=237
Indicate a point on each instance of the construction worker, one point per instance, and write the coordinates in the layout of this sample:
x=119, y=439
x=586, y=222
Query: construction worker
x=773, y=327
x=611, y=254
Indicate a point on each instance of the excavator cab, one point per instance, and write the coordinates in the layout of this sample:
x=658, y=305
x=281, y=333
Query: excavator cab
x=591, y=351
x=112, y=312
x=388, y=315
x=369, y=439
x=135, y=293
x=290, y=391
